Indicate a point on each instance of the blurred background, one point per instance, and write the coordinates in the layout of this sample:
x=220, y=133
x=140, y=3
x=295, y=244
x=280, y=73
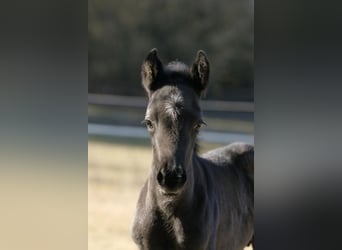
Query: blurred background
x=120, y=34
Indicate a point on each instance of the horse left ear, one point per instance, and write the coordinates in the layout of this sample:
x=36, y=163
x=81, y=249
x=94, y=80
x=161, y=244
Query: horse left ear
x=200, y=73
x=151, y=71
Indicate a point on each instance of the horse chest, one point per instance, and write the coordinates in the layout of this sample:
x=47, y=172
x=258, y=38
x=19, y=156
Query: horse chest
x=172, y=234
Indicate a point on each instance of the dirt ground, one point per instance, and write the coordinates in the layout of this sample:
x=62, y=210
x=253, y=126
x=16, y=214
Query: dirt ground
x=116, y=173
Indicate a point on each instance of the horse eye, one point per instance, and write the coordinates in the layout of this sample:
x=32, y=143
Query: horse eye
x=149, y=124
x=199, y=125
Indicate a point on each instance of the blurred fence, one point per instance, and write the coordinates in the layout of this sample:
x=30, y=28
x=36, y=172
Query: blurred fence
x=141, y=102
x=121, y=116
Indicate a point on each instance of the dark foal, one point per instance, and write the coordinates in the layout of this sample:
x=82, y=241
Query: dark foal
x=188, y=201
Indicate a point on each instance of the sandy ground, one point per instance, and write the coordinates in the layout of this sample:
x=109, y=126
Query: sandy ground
x=116, y=173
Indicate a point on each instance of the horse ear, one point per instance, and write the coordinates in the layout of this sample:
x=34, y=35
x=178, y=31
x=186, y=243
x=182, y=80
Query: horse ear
x=200, y=72
x=151, y=70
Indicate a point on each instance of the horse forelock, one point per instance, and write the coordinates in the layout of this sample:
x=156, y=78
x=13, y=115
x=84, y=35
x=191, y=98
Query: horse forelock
x=174, y=104
x=167, y=102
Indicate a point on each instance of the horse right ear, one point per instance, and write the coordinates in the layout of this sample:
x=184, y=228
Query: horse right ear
x=200, y=73
x=151, y=71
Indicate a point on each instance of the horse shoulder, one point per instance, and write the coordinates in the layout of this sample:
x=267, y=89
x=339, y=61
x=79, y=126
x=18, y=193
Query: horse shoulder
x=238, y=154
x=240, y=157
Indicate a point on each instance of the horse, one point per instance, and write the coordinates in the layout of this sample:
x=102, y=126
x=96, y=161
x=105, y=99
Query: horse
x=190, y=201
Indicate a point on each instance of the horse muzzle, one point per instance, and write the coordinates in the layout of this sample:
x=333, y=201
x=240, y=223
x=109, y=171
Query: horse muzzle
x=171, y=181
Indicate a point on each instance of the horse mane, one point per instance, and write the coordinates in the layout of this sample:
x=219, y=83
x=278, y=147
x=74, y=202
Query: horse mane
x=177, y=70
x=177, y=66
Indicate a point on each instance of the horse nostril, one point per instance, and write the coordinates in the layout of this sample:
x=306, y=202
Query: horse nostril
x=179, y=175
x=183, y=177
x=179, y=172
x=160, y=178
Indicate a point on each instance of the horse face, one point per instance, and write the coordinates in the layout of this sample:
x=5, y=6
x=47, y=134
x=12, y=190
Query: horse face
x=173, y=115
x=173, y=118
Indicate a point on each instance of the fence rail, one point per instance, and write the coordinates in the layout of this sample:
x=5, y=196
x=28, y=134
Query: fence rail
x=125, y=112
x=136, y=132
x=141, y=102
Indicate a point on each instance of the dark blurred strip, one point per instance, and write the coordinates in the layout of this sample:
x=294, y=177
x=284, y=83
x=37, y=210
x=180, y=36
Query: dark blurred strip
x=298, y=160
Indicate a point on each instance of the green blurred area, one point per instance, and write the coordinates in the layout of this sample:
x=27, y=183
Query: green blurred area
x=120, y=34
